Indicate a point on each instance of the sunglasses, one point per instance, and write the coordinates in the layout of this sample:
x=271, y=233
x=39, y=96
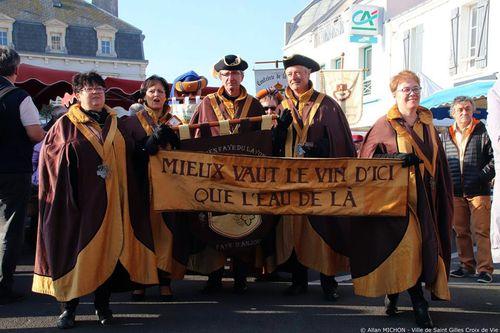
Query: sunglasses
x=272, y=108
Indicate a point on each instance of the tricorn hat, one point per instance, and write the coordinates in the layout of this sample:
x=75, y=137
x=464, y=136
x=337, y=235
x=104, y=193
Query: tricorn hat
x=298, y=59
x=271, y=91
x=231, y=62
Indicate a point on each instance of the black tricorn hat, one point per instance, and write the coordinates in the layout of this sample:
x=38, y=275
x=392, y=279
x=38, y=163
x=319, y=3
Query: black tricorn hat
x=298, y=59
x=231, y=62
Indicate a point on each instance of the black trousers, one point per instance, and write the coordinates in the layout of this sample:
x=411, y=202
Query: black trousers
x=240, y=273
x=15, y=190
x=101, y=299
x=299, y=277
x=416, y=295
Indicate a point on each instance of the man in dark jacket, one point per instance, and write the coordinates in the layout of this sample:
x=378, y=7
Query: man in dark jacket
x=470, y=158
x=19, y=130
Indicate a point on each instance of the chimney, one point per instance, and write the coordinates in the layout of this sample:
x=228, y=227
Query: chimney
x=110, y=6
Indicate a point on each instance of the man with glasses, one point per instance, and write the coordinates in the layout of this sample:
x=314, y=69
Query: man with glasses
x=231, y=101
x=92, y=236
x=269, y=98
x=470, y=158
x=319, y=129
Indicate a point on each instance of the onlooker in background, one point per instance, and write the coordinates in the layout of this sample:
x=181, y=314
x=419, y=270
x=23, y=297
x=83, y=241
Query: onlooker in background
x=470, y=158
x=493, y=127
x=19, y=130
x=269, y=98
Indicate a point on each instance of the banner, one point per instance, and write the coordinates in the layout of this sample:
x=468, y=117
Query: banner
x=346, y=87
x=191, y=181
x=266, y=78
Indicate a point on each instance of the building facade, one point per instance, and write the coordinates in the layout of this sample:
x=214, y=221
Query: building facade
x=445, y=41
x=73, y=35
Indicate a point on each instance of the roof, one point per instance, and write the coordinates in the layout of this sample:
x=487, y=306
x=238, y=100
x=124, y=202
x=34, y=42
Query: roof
x=317, y=12
x=72, y=12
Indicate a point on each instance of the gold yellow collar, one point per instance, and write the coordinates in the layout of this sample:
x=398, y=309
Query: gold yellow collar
x=243, y=94
x=303, y=97
x=79, y=116
x=423, y=114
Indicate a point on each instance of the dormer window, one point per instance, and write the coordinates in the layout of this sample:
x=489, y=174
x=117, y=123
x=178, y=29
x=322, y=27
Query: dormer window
x=106, y=41
x=56, y=36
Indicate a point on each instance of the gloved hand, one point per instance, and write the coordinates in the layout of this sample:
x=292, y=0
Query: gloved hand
x=162, y=135
x=280, y=132
x=320, y=148
x=408, y=159
x=285, y=120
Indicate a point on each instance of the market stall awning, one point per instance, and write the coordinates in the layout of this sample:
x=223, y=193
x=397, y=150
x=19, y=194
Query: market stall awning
x=477, y=90
x=45, y=84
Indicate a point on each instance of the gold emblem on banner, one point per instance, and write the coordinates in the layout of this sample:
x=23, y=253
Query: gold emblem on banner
x=234, y=225
x=341, y=92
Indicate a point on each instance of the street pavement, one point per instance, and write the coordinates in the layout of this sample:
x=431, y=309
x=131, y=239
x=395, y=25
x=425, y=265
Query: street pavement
x=474, y=308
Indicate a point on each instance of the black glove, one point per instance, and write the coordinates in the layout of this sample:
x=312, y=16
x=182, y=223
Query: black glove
x=162, y=135
x=280, y=132
x=408, y=159
x=284, y=121
x=320, y=148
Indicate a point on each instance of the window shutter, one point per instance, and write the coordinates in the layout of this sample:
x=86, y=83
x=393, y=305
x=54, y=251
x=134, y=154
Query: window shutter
x=454, y=42
x=406, y=48
x=482, y=50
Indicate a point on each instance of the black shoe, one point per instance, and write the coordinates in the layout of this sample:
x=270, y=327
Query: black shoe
x=104, y=317
x=390, y=303
x=211, y=287
x=66, y=319
x=422, y=317
x=460, y=273
x=240, y=287
x=11, y=297
x=296, y=289
x=331, y=295
x=484, y=277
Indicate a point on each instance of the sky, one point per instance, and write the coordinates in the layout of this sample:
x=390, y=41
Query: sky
x=195, y=34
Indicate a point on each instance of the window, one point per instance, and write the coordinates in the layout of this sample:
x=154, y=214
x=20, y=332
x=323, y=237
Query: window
x=412, y=44
x=56, y=35
x=105, y=46
x=3, y=36
x=55, y=42
x=473, y=36
x=337, y=63
x=367, y=73
x=106, y=36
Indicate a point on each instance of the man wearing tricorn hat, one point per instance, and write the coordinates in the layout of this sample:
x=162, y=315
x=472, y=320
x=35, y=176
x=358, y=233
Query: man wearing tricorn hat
x=319, y=129
x=231, y=101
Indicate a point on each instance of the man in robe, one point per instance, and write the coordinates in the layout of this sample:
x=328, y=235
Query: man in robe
x=231, y=101
x=319, y=129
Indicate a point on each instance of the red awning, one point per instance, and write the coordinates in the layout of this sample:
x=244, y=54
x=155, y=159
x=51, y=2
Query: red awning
x=44, y=84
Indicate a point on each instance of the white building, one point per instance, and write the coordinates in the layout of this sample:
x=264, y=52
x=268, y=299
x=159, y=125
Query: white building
x=416, y=35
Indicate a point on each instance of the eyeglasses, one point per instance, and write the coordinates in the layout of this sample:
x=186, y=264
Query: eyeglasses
x=96, y=90
x=229, y=73
x=416, y=90
x=272, y=108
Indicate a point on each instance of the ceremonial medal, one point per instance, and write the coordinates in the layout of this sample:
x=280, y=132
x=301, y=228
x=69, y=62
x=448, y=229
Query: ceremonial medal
x=300, y=150
x=103, y=171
